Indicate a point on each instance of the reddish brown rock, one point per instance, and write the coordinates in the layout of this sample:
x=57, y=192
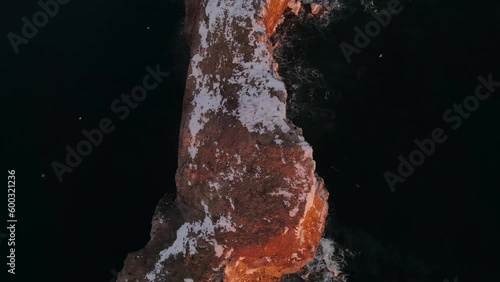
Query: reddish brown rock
x=249, y=205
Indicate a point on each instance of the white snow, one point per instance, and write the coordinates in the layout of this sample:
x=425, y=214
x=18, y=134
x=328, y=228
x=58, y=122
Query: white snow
x=230, y=202
x=238, y=159
x=259, y=108
x=204, y=102
x=286, y=194
x=282, y=192
x=187, y=239
x=293, y=212
x=277, y=140
x=215, y=185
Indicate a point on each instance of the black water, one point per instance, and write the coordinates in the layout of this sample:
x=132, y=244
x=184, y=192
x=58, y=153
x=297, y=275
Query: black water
x=446, y=214
x=86, y=57
x=360, y=116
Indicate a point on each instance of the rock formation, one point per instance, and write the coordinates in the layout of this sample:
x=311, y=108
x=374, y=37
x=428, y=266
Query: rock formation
x=249, y=206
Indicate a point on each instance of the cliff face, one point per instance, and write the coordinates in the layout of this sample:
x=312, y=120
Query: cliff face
x=249, y=205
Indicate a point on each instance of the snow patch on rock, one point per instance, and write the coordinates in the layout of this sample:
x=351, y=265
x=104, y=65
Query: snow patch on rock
x=260, y=109
x=187, y=239
x=204, y=101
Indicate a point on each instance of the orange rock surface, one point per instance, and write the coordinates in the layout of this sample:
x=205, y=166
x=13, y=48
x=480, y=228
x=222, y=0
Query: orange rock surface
x=249, y=204
x=273, y=12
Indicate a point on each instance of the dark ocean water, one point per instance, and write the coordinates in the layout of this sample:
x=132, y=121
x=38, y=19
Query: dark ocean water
x=76, y=66
x=359, y=117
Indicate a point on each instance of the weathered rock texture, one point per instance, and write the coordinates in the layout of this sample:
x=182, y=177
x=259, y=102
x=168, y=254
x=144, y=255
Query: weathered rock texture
x=249, y=205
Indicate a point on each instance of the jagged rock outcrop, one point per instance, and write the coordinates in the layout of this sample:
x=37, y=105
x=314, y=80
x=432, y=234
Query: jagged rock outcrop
x=249, y=205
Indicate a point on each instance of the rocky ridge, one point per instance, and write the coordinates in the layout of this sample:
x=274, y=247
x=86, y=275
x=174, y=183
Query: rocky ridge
x=249, y=205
